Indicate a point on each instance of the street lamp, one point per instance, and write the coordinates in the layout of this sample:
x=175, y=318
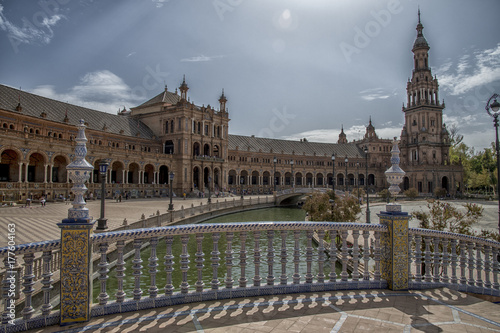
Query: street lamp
x=209, y=182
x=489, y=108
x=357, y=178
x=333, y=175
x=171, y=177
x=274, y=174
x=366, y=187
x=103, y=168
x=346, y=178
x=293, y=177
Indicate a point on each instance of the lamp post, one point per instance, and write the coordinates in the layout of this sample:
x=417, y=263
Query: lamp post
x=492, y=109
x=346, y=179
x=293, y=177
x=171, y=178
x=103, y=168
x=209, y=182
x=357, y=178
x=333, y=175
x=274, y=174
x=366, y=187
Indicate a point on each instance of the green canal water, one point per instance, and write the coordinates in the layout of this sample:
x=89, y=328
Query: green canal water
x=267, y=214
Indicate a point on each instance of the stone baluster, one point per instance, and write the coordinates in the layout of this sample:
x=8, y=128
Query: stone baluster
x=366, y=255
x=169, y=263
x=418, y=258
x=46, y=282
x=296, y=257
x=199, y=262
x=243, y=259
x=229, y=260
x=495, y=253
x=215, y=261
x=411, y=257
x=192, y=209
x=445, y=262
x=184, y=262
x=487, y=266
x=309, y=256
x=103, y=273
x=427, y=259
x=28, y=285
x=470, y=266
x=454, y=261
x=153, y=267
x=463, y=262
x=120, y=271
x=355, y=255
x=137, y=268
x=270, y=257
x=436, y=242
x=479, y=265
x=376, y=273
x=256, y=258
x=333, y=255
x=283, y=277
x=344, y=275
x=321, y=257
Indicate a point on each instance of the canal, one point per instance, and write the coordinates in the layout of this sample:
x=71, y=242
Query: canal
x=267, y=214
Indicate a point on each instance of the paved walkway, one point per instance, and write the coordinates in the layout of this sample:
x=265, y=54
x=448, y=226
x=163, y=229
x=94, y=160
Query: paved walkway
x=438, y=310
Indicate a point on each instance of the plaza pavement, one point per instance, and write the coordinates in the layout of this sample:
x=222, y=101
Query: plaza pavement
x=437, y=310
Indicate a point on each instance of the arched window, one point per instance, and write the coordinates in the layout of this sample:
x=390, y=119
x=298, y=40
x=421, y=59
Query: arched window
x=169, y=147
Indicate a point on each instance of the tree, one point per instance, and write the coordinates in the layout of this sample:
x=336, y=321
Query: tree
x=443, y=216
x=321, y=207
x=411, y=193
x=440, y=192
x=384, y=194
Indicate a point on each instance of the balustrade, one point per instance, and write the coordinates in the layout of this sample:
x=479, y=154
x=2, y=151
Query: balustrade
x=436, y=259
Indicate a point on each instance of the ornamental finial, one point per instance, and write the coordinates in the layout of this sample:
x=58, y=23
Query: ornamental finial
x=79, y=172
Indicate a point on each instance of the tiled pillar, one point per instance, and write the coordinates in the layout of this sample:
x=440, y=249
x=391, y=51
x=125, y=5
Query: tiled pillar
x=394, y=245
x=76, y=265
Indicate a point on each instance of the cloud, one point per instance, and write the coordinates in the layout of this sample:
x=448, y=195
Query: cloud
x=374, y=93
x=99, y=90
x=201, y=58
x=471, y=72
x=29, y=33
x=356, y=132
x=160, y=3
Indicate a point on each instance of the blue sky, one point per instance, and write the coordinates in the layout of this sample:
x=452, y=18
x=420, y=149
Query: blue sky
x=289, y=68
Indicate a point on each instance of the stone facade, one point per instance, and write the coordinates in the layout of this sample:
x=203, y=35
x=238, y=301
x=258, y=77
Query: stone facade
x=169, y=133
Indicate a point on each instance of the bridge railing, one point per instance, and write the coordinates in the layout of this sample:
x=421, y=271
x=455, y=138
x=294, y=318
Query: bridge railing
x=267, y=263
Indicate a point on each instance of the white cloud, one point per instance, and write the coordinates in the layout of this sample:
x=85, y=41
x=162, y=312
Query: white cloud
x=374, y=93
x=160, y=3
x=201, y=58
x=356, y=132
x=467, y=76
x=99, y=90
x=29, y=33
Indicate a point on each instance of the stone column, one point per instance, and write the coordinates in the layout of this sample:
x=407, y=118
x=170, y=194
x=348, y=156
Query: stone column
x=76, y=248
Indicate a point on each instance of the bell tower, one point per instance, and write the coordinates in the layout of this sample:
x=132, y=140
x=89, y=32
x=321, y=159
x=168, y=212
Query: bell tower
x=424, y=138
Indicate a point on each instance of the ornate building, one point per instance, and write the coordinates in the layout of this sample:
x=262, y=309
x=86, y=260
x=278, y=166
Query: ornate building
x=168, y=133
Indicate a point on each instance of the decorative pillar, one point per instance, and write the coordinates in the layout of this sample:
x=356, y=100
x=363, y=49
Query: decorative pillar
x=20, y=172
x=76, y=265
x=45, y=173
x=394, y=243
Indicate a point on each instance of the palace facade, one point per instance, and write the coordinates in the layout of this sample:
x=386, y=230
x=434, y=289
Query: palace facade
x=169, y=134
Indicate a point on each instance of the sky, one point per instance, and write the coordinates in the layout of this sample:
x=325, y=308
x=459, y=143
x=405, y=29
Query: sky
x=290, y=69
